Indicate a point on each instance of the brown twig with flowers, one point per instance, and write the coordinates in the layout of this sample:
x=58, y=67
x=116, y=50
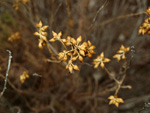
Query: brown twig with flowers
x=145, y=27
x=100, y=60
x=76, y=50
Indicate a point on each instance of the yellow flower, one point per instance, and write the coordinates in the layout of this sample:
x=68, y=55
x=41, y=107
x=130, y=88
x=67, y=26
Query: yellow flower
x=14, y=37
x=79, y=39
x=56, y=36
x=70, y=66
x=24, y=76
x=121, y=53
x=145, y=27
x=90, y=49
x=114, y=100
x=100, y=60
x=70, y=41
x=63, y=55
x=41, y=34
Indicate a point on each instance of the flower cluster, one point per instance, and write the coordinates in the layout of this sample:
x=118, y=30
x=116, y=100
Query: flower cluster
x=100, y=60
x=121, y=53
x=115, y=100
x=24, y=76
x=14, y=37
x=77, y=50
x=41, y=34
x=145, y=27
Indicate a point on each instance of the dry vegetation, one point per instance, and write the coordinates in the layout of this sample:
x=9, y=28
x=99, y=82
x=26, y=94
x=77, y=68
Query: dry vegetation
x=74, y=56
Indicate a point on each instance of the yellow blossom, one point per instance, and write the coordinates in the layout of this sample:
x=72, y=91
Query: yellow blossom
x=14, y=37
x=63, y=55
x=56, y=36
x=24, y=76
x=121, y=53
x=90, y=49
x=100, y=60
x=114, y=100
x=41, y=34
x=70, y=66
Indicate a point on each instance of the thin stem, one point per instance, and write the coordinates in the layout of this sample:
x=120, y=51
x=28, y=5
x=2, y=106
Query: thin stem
x=49, y=49
x=127, y=86
x=98, y=11
x=54, y=61
x=118, y=87
x=111, y=76
x=121, y=17
x=8, y=68
x=63, y=44
x=121, y=81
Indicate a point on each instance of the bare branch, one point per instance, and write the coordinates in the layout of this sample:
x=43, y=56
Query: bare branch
x=121, y=17
x=8, y=68
x=98, y=11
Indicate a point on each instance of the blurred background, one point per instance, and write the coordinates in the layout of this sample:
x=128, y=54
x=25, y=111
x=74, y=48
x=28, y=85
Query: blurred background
x=50, y=88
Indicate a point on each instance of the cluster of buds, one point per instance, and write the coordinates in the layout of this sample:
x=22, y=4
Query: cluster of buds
x=14, y=37
x=41, y=34
x=145, y=27
x=100, y=60
x=77, y=50
x=16, y=3
x=115, y=100
x=24, y=76
x=121, y=53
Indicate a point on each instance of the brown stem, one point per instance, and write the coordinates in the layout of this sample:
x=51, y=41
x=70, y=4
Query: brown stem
x=121, y=17
x=111, y=76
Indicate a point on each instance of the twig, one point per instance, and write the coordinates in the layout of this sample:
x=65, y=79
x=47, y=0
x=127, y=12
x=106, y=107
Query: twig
x=54, y=61
x=69, y=13
x=87, y=64
x=146, y=105
x=126, y=87
x=57, y=9
x=100, y=8
x=37, y=75
x=121, y=17
x=9, y=62
x=130, y=103
x=111, y=76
